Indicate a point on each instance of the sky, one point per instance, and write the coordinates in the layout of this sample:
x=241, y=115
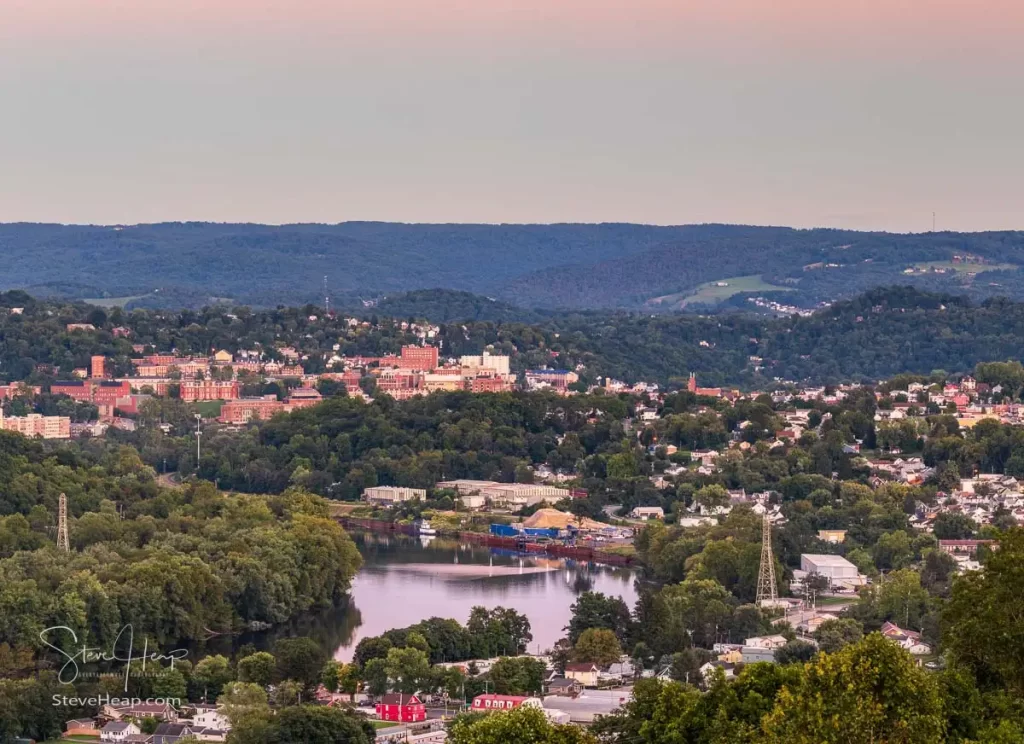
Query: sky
x=866, y=114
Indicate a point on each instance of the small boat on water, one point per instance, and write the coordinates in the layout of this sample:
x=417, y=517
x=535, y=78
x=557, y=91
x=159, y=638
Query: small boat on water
x=426, y=529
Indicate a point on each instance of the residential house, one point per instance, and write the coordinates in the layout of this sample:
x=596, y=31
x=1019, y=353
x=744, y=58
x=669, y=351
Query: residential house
x=210, y=717
x=907, y=639
x=159, y=711
x=708, y=670
x=171, y=733
x=563, y=686
x=402, y=708
x=584, y=673
x=118, y=731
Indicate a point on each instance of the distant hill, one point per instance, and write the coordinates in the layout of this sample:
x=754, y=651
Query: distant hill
x=696, y=267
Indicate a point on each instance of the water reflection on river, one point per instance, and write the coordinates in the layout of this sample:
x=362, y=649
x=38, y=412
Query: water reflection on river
x=406, y=579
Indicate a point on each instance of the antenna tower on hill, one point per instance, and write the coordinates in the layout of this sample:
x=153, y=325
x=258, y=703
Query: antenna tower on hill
x=62, y=525
x=766, y=591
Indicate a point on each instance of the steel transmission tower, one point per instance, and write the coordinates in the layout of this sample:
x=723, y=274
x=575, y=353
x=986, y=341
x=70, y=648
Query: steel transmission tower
x=766, y=592
x=62, y=525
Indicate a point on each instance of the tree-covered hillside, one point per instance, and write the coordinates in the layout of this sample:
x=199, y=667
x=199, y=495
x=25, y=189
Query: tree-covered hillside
x=552, y=266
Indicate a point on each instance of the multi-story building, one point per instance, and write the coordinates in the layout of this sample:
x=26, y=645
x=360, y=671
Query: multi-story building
x=500, y=363
x=196, y=390
x=422, y=358
x=496, y=384
x=400, y=383
x=303, y=397
x=98, y=366
x=107, y=392
x=393, y=494
x=77, y=389
x=19, y=389
x=556, y=379
x=36, y=425
x=244, y=410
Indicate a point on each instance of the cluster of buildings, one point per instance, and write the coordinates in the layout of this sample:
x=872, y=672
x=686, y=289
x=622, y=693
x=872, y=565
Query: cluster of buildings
x=122, y=724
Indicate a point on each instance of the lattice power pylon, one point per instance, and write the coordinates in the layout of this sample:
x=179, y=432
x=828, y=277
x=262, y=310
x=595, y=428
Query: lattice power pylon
x=766, y=591
x=62, y=525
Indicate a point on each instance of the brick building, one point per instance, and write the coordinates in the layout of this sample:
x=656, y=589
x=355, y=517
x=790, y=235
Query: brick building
x=98, y=367
x=76, y=389
x=400, y=384
x=422, y=358
x=303, y=397
x=19, y=388
x=196, y=390
x=244, y=410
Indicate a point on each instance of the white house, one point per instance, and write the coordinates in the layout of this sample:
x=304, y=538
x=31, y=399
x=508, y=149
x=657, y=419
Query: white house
x=118, y=731
x=209, y=717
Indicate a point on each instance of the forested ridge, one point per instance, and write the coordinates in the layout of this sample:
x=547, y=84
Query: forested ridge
x=575, y=266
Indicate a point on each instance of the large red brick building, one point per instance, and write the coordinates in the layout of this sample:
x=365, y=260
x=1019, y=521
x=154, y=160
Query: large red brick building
x=244, y=410
x=422, y=358
x=106, y=394
x=77, y=389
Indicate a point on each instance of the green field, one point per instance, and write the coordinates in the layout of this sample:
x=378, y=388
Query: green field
x=964, y=268
x=109, y=302
x=710, y=293
x=209, y=408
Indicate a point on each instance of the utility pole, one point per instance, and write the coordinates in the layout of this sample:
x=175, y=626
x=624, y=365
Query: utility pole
x=62, y=525
x=199, y=434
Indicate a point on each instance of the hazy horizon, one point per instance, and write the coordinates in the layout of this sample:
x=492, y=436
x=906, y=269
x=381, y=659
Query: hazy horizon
x=498, y=224
x=791, y=112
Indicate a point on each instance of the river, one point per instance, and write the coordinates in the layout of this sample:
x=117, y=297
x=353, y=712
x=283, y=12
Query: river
x=407, y=579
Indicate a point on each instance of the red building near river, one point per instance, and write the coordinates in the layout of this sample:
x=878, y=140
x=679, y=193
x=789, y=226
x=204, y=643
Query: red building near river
x=401, y=708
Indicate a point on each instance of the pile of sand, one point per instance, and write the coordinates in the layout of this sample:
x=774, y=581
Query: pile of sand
x=547, y=518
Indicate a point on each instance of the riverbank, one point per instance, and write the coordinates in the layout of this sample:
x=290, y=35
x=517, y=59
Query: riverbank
x=558, y=550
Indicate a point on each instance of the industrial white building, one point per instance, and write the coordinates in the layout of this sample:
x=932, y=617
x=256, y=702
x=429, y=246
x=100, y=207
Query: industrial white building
x=512, y=496
x=842, y=575
x=393, y=494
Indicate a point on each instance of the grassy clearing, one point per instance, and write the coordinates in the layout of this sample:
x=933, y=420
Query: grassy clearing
x=711, y=293
x=209, y=408
x=963, y=268
x=109, y=302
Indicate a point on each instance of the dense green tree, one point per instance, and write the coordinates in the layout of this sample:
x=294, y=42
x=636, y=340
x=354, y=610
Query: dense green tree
x=595, y=610
x=597, y=645
x=870, y=691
